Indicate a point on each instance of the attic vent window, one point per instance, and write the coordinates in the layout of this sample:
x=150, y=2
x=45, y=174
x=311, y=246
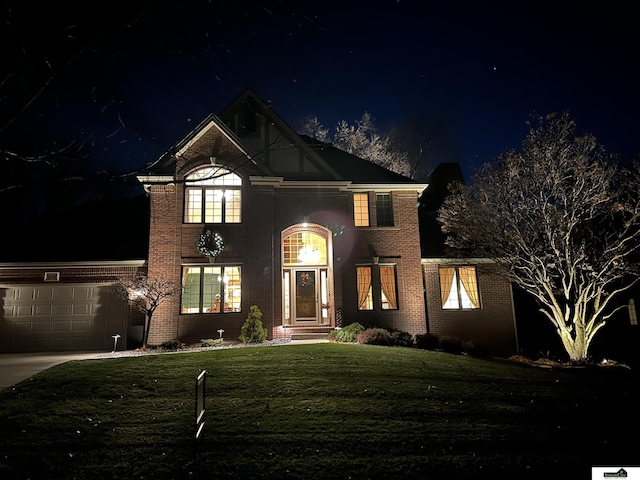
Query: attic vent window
x=52, y=276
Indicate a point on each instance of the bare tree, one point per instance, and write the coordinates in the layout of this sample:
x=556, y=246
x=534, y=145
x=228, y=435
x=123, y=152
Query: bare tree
x=361, y=139
x=563, y=218
x=147, y=294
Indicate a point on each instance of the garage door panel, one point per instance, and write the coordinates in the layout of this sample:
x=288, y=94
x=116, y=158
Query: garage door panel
x=98, y=325
x=60, y=326
x=24, y=311
x=23, y=327
x=39, y=326
x=79, y=325
x=82, y=309
x=41, y=310
x=64, y=309
x=61, y=317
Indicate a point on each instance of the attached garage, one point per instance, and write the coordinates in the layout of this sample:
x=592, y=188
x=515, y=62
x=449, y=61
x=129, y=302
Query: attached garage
x=72, y=307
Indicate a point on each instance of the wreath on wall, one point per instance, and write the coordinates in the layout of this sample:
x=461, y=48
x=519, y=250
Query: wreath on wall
x=210, y=243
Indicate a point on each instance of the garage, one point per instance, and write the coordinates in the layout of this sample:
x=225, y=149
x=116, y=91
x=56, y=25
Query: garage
x=56, y=316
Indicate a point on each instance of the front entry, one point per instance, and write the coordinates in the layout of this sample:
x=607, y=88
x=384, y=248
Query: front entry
x=306, y=296
x=306, y=279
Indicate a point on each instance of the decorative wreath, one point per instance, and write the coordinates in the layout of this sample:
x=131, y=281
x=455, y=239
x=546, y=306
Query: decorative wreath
x=210, y=243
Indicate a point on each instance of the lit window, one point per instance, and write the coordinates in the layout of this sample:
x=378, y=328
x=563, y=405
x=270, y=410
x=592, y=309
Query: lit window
x=212, y=195
x=361, y=209
x=304, y=248
x=459, y=288
x=365, y=297
x=211, y=289
x=388, y=287
x=384, y=210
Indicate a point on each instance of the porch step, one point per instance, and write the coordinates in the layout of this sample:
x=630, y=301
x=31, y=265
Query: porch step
x=308, y=336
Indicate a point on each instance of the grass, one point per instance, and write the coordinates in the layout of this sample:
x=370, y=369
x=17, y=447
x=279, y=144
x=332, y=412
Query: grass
x=324, y=411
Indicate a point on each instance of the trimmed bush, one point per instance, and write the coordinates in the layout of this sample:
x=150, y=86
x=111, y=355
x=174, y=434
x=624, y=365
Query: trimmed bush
x=475, y=350
x=348, y=334
x=332, y=336
x=253, y=331
x=402, y=339
x=427, y=341
x=211, y=342
x=172, y=345
x=451, y=345
x=375, y=336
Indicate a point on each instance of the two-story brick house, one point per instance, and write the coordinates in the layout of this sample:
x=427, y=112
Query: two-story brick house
x=315, y=237
x=312, y=235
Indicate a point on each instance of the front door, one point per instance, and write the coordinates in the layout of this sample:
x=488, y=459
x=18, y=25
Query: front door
x=306, y=276
x=306, y=293
x=305, y=305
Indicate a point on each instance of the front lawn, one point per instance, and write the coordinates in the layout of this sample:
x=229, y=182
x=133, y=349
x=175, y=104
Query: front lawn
x=323, y=411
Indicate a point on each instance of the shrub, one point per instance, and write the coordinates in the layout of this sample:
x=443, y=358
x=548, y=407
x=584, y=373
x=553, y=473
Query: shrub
x=451, y=344
x=349, y=334
x=475, y=350
x=211, y=342
x=402, y=339
x=172, y=345
x=332, y=336
x=375, y=336
x=253, y=331
x=427, y=341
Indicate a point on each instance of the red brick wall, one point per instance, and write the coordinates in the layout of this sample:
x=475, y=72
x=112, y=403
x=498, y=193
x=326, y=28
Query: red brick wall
x=398, y=245
x=492, y=326
x=165, y=238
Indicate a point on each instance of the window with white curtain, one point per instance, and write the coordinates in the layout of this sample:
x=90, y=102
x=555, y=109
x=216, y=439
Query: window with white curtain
x=459, y=288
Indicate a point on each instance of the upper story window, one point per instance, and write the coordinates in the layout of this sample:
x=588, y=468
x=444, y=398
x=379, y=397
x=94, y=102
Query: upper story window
x=361, y=209
x=459, y=288
x=384, y=210
x=212, y=195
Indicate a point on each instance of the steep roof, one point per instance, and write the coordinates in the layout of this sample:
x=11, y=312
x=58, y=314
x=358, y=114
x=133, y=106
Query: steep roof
x=330, y=163
x=352, y=167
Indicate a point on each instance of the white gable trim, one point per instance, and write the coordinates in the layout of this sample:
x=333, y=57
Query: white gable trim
x=280, y=182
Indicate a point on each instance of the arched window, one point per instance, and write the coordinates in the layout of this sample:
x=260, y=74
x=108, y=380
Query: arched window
x=304, y=248
x=212, y=195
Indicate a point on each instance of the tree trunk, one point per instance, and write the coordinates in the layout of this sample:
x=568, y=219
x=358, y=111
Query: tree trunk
x=145, y=331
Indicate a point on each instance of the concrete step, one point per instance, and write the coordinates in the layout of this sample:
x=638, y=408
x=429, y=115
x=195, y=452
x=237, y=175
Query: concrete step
x=308, y=336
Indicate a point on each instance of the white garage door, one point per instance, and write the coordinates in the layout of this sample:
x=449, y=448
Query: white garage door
x=44, y=318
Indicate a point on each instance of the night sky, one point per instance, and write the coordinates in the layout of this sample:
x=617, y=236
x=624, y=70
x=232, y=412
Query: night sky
x=480, y=68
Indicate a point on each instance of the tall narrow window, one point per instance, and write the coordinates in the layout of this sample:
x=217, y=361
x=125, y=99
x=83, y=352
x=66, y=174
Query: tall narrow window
x=459, y=288
x=388, y=287
x=384, y=210
x=211, y=289
x=361, y=209
x=212, y=195
x=365, y=296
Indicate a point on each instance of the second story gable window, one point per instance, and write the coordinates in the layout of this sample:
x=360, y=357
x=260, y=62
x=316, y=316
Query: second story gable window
x=361, y=209
x=212, y=195
x=384, y=210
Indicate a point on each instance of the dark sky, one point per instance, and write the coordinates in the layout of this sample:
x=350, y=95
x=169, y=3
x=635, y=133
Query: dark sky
x=479, y=67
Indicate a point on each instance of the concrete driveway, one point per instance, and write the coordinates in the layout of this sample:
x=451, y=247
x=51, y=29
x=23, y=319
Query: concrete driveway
x=16, y=367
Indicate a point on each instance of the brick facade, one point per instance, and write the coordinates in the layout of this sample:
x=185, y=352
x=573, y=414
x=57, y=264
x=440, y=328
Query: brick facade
x=492, y=326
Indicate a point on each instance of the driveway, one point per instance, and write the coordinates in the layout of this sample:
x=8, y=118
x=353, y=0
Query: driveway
x=16, y=367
